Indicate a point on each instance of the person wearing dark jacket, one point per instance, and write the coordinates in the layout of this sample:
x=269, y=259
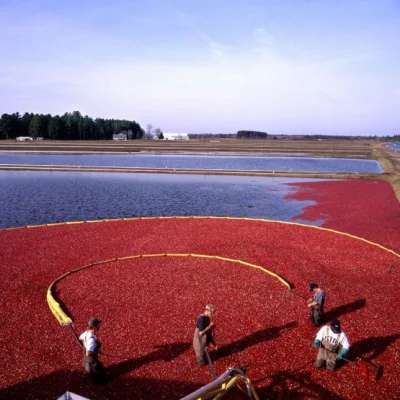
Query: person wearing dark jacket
x=316, y=304
x=203, y=334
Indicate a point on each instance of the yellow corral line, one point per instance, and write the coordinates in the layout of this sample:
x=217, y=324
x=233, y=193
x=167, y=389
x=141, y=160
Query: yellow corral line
x=199, y=255
x=105, y=261
x=128, y=257
x=223, y=258
x=57, y=310
x=153, y=255
x=81, y=268
x=221, y=218
x=64, y=319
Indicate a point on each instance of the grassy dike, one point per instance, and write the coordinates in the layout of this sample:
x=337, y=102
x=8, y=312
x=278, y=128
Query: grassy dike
x=182, y=171
x=390, y=161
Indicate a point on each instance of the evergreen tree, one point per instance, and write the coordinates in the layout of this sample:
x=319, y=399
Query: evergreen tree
x=24, y=123
x=36, y=126
x=9, y=126
x=54, y=128
x=70, y=126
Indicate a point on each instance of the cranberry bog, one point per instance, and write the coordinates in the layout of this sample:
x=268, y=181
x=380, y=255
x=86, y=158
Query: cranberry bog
x=148, y=279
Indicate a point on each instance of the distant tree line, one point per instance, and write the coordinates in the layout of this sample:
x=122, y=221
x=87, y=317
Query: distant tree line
x=70, y=126
x=395, y=138
x=251, y=135
x=211, y=135
x=349, y=137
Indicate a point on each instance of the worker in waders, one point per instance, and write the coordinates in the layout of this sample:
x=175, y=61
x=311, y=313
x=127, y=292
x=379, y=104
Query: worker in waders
x=316, y=304
x=91, y=345
x=203, y=334
x=329, y=340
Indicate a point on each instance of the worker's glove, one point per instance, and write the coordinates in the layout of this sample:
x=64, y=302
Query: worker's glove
x=317, y=343
x=342, y=353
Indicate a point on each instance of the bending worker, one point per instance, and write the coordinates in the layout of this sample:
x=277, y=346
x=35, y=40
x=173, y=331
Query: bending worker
x=203, y=334
x=316, y=304
x=328, y=340
x=93, y=367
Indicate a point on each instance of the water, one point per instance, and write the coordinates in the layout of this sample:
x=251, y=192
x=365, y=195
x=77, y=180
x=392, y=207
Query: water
x=32, y=198
x=394, y=146
x=232, y=153
x=287, y=164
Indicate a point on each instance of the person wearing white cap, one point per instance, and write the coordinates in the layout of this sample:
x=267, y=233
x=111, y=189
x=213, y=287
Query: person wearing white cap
x=203, y=334
x=91, y=345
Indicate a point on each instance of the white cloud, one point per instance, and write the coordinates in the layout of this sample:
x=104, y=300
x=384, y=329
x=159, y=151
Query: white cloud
x=216, y=49
x=225, y=88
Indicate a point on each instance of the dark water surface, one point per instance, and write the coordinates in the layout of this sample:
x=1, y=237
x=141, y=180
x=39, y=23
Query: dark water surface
x=298, y=164
x=31, y=198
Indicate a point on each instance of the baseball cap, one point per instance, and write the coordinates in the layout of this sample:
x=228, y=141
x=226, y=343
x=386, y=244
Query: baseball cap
x=335, y=326
x=93, y=322
x=312, y=286
x=210, y=307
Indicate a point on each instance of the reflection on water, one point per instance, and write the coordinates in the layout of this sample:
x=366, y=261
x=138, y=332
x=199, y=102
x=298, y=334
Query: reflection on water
x=31, y=198
x=299, y=164
x=394, y=146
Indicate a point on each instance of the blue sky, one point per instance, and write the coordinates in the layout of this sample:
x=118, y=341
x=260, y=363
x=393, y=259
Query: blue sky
x=280, y=66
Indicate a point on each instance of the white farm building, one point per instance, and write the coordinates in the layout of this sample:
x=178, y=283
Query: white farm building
x=176, y=136
x=120, y=136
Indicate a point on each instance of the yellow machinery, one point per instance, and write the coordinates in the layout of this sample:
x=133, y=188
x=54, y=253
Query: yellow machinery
x=220, y=386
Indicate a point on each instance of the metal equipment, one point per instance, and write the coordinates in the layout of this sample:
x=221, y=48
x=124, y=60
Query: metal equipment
x=219, y=387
